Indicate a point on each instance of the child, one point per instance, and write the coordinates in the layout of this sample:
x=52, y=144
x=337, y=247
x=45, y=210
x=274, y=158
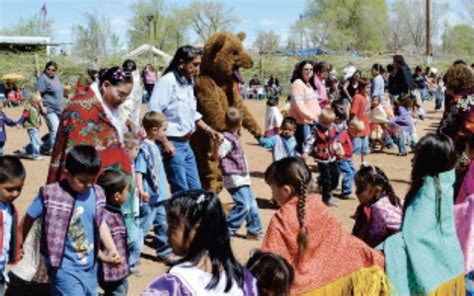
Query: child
x=3, y=132
x=12, y=179
x=31, y=121
x=131, y=208
x=273, y=117
x=425, y=256
x=440, y=90
x=326, y=258
x=273, y=273
x=284, y=144
x=360, y=109
x=378, y=120
x=198, y=233
x=380, y=212
x=464, y=217
x=237, y=179
x=320, y=144
x=377, y=86
x=404, y=122
x=73, y=221
x=151, y=183
x=113, y=277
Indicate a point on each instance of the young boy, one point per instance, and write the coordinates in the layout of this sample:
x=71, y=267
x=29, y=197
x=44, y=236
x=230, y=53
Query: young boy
x=131, y=208
x=237, y=179
x=12, y=178
x=73, y=225
x=31, y=121
x=284, y=144
x=320, y=145
x=151, y=184
x=4, y=120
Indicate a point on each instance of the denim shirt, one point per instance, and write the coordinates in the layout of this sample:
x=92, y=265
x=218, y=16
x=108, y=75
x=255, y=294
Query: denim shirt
x=176, y=100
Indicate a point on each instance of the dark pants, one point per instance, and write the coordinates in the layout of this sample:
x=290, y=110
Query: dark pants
x=118, y=288
x=18, y=286
x=328, y=178
x=302, y=132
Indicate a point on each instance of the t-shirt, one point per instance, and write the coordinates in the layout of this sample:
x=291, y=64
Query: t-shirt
x=233, y=180
x=79, y=246
x=142, y=165
x=7, y=230
x=52, y=92
x=361, y=109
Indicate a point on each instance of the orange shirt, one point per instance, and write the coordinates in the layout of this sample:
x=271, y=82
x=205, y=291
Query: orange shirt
x=332, y=253
x=361, y=109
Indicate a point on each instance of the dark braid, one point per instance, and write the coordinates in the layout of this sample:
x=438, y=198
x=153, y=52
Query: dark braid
x=302, y=238
x=387, y=188
x=438, y=199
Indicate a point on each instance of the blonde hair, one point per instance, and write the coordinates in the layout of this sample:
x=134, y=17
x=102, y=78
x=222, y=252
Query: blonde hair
x=153, y=119
x=130, y=140
x=36, y=97
x=233, y=117
x=327, y=114
x=357, y=123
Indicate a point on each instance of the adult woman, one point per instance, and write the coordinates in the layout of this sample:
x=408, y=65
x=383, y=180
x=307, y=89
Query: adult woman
x=174, y=97
x=52, y=91
x=149, y=79
x=349, y=88
x=93, y=118
x=273, y=86
x=401, y=80
x=304, y=105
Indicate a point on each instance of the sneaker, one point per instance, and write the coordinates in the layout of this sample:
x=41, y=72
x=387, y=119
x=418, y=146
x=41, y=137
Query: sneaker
x=45, y=152
x=254, y=236
x=402, y=154
x=331, y=203
x=36, y=158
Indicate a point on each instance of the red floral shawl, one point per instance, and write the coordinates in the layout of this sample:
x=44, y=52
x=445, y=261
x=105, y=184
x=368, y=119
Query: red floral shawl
x=84, y=122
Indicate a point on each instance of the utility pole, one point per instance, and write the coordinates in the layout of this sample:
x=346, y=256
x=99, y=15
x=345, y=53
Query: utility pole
x=149, y=21
x=428, y=43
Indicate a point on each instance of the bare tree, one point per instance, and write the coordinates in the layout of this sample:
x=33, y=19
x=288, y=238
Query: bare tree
x=267, y=41
x=91, y=38
x=208, y=18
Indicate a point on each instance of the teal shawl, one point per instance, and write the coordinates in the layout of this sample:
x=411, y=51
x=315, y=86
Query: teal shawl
x=425, y=253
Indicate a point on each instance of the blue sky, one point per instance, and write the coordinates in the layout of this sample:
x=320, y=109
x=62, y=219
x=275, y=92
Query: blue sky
x=254, y=15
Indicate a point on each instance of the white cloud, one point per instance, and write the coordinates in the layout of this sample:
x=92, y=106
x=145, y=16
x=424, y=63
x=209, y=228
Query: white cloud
x=118, y=22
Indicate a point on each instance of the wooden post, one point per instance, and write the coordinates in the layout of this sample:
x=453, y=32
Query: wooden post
x=427, y=15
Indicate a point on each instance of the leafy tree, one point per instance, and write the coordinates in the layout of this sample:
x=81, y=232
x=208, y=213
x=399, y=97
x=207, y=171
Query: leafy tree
x=266, y=41
x=458, y=40
x=208, y=18
x=31, y=26
x=91, y=38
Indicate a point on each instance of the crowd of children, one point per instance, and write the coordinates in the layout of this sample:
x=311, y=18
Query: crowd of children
x=88, y=229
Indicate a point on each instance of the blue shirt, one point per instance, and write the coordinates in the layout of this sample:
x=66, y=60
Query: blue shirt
x=52, y=92
x=177, y=101
x=7, y=231
x=281, y=147
x=79, y=246
x=141, y=166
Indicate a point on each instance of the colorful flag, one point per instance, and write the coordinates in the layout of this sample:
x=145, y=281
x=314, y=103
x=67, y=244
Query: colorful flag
x=44, y=11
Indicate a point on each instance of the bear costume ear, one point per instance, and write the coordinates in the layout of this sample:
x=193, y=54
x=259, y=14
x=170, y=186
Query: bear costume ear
x=241, y=36
x=215, y=44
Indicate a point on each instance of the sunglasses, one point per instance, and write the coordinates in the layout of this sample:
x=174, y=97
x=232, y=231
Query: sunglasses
x=51, y=69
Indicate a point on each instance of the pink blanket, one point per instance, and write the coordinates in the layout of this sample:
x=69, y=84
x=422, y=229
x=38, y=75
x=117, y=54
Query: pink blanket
x=464, y=219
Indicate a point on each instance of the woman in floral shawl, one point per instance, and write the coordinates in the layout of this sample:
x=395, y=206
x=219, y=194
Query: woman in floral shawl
x=93, y=118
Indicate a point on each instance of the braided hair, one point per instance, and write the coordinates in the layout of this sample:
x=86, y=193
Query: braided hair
x=293, y=171
x=375, y=176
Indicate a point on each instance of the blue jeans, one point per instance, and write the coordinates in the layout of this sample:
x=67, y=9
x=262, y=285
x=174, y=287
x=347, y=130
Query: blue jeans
x=245, y=209
x=117, y=288
x=34, y=147
x=2, y=144
x=52, y=121
x=181, y=169
x=346, y=167
x=469, y=279
x=360, y=145
x=155, y=215
x=73, y=283
x=302, y=132
x=134, y=242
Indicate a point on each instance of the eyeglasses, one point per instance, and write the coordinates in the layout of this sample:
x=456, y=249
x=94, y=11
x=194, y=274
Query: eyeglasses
x=51, y=69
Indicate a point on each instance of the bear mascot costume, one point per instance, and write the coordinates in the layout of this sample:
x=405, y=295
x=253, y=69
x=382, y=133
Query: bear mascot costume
x=217, y=89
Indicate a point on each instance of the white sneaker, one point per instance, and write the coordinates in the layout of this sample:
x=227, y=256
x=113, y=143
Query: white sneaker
x=37, y=158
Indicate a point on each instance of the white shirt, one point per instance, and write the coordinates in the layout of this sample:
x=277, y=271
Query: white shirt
x=7, y=231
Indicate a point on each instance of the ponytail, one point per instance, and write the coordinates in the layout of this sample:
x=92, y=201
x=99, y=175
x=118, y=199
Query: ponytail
x=302, y=238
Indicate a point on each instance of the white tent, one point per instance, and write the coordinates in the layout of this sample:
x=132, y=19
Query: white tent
x=145, y=48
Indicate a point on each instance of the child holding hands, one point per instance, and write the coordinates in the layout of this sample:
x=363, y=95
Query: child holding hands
x=31, y=121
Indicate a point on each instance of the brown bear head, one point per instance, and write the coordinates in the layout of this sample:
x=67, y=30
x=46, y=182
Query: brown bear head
x=223, y=56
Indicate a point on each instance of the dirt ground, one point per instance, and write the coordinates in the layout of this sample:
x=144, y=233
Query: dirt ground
x=397, y=168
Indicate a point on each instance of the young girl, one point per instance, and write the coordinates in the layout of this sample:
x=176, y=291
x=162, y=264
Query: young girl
x=377, y=86
x=360, y=109
x=464, y=217
x=403, y=121
x=273, y=273
x=327, y=260
x=197, y=231
x=273, y=118
x=113, y=276
x=380, y=212
x=378, y=121
x=425, y=256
